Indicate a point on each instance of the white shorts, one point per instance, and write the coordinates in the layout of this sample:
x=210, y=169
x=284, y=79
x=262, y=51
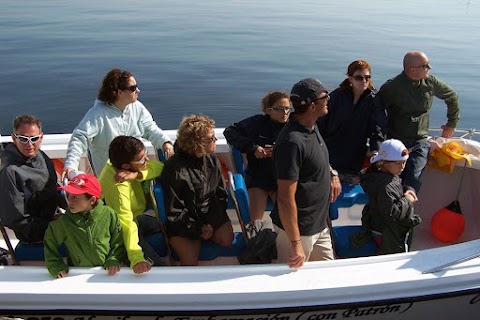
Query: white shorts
x=316, y=247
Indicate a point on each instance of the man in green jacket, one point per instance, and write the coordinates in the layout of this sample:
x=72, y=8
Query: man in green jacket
x=90, y=230
x=407, y=99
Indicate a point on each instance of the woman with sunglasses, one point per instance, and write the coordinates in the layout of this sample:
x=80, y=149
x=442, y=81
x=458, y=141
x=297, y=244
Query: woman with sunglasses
x=116, y=112
x=353, y=119
x=255, y=137
x=195, y=194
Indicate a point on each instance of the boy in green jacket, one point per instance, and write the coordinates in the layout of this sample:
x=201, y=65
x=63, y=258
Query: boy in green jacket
x=90, y=230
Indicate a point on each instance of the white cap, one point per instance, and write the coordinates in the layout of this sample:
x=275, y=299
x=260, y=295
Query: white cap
x=390, y=150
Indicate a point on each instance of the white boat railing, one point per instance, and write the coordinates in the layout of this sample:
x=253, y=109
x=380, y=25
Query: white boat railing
x=471, y=134
x=56, y=145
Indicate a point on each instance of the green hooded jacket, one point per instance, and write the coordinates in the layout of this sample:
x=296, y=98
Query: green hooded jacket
x=92, y=238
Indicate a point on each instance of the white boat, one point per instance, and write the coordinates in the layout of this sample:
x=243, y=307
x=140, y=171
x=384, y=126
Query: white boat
x=435, y=280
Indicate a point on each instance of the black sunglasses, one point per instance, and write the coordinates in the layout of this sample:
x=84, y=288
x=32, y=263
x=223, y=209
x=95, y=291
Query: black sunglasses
x=424, y=66
x=132, y=88
x=360, y=77
x=326, y=96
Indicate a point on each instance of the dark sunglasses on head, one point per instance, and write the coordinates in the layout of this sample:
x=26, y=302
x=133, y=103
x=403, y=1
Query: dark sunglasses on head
x=132, y=88
x=25, y=139
x=359, y=77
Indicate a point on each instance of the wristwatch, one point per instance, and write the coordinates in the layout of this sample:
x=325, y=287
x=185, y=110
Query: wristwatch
x=333, y=173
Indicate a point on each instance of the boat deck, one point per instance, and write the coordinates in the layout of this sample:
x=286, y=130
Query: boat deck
x=438, y=190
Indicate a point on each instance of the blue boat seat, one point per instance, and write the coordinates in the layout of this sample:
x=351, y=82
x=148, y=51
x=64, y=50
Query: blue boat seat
x=238, y=161
x=343, y=248
x=27, y=252
x=208, y=250
x=351, y=194
x=243, y=199
x=157, y=242
x=34, y=251
x=241, y=194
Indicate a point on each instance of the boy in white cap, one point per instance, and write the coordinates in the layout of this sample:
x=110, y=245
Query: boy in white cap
x=389, y=215
x=90, y=230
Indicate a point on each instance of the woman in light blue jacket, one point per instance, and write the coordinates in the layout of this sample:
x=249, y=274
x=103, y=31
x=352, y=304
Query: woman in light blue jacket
x=116, y=112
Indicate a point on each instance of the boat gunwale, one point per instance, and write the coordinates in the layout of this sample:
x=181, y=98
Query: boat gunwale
x=257, y=311
x=462, y=278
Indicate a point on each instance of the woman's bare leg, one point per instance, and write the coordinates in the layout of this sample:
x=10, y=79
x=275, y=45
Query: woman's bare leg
x=258, y=201
x=188, y=250
x=224, y=235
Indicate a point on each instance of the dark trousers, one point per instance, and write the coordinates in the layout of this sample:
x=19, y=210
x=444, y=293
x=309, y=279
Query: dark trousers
x=148, y=225
x=415, y=163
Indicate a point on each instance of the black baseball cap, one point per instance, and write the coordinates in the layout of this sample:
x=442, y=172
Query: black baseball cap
x=306, y=91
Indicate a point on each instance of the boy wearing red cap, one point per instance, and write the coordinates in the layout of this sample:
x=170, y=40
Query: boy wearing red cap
x=89, y=229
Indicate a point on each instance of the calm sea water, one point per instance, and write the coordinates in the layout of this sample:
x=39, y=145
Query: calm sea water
x=220, y=57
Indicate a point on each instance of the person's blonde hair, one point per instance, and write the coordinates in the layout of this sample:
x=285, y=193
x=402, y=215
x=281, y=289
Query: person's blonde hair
x=192, y=132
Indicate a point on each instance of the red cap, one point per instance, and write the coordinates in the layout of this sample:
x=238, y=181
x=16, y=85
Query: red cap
x=84, y=183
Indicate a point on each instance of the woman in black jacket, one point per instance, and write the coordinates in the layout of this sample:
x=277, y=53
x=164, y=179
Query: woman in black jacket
x=255, y=137
x=195, y=194
x=354, y=118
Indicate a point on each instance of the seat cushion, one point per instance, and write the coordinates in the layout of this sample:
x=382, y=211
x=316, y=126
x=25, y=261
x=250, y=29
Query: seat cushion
x=343, y=248
x=34, y=251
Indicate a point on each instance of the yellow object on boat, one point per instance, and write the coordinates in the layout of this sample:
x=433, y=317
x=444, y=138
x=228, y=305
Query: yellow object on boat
x=444, y=158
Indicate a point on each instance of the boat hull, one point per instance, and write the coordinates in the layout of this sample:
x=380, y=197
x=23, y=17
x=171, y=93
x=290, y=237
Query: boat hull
x=382, y=287
x=457, y=305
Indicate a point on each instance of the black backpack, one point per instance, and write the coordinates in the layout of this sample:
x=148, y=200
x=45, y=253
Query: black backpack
x=3, y=257
x=260, y=248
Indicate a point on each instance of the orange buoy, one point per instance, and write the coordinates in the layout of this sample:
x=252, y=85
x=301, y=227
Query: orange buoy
x=447, y=225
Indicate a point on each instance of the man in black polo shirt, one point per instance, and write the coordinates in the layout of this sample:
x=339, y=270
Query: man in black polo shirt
x=306, y=182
